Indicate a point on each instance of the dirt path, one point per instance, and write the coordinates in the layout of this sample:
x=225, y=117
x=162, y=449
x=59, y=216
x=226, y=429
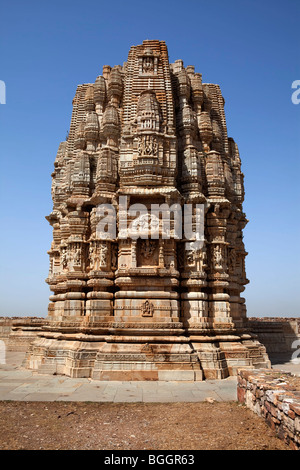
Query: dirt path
x=133, y=426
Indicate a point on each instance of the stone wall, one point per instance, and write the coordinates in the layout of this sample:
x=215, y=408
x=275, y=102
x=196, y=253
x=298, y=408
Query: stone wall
x=275, y=396
x=18, y=332
x=275, y=333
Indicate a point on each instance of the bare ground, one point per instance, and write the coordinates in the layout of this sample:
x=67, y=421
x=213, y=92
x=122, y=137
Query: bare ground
x=133, y=426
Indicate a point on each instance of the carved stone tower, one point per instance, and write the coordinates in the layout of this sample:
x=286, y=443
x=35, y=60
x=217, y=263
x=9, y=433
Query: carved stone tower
x=160, y=307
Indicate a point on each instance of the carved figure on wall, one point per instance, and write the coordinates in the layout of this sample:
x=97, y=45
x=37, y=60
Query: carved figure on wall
x=148, y=64
x=147, y=309
x=147, y=248
x=145, y=223
x=218, y=258
x=92, y=256
x=77, y=258
x=147, y=145
x=51, y=267
x=203, y=258
x=64, y=258
x=103, y=255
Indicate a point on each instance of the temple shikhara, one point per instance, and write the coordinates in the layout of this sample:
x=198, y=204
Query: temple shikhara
x=160, y=307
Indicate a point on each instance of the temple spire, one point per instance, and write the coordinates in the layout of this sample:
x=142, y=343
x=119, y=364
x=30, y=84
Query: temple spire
x=135, y=298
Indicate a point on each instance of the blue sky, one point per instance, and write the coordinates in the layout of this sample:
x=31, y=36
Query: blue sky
x=250, y=48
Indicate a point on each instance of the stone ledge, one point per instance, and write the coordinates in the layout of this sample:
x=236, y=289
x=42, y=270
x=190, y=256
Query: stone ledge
x=275, y=396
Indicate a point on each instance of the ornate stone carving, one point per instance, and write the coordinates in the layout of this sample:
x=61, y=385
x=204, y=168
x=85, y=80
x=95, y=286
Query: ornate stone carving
x=148, y=112
x=153, y=132
x=103, y=255
x=98, y=253
x=148, y=64
x=147, y=248
x=218, y=257
x=147, y=146
x=145, y=224
x=147, y=309
x=64, y=258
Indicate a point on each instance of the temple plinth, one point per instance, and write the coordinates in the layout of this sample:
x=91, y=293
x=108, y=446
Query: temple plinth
x=147, y=263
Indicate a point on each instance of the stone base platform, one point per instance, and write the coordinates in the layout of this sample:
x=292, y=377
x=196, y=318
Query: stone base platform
x=155, y=355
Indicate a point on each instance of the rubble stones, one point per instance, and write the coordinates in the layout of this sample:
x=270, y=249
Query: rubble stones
x=275, y=396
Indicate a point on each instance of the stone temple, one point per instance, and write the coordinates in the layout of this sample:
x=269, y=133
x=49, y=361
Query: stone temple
x=164, y=306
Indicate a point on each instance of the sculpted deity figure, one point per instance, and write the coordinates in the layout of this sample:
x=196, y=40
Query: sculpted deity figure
x=77, y=257
x=148, y=248
x=103, y=255
x=198, y=258
x=98, y=256
x=64, y=258
x=147, y=145
x=148, y=64
x=147, y=309
x=92, y=255
x=218, y=257
x=51, y=266
x=203, y=258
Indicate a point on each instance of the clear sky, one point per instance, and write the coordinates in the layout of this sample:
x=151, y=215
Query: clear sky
x=250, y=48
